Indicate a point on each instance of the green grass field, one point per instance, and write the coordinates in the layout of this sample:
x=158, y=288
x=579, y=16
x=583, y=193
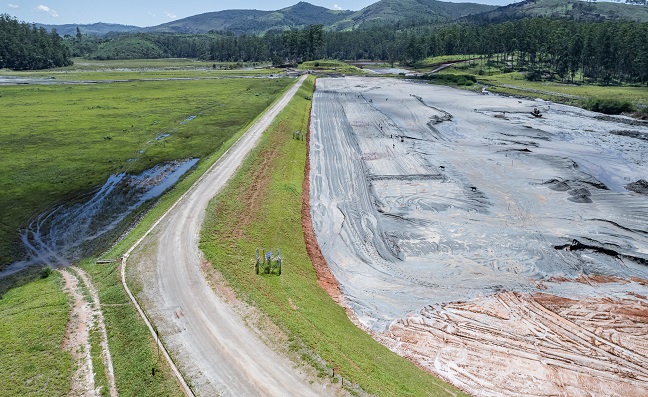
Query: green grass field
x=95, y=70
x=261, y=207
x=32, y=326
x=64, y=140
x=59, y=149
x=432, y=62
x=330, y=66
x=515, y=83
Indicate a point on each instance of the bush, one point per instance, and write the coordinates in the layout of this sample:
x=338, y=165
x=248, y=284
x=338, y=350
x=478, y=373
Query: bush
x=609, y=106
x=534, y=75
x=46, y=272
x=452, y=79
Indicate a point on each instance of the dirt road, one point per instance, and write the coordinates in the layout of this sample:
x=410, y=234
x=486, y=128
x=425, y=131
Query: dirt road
x=210, y=342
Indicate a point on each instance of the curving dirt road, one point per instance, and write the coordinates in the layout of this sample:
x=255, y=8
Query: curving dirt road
x=209, y=341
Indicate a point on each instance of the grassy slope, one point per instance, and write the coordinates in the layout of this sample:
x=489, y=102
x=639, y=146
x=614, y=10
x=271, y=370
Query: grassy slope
x=55, y=138
x=577, y=10
x=515, y=83
x=636, y=95
x=32, y=327
x=261, y=207
x=330, y=66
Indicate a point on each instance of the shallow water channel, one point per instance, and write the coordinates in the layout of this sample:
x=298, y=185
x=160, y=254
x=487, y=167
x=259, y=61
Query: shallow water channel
x=73, y=230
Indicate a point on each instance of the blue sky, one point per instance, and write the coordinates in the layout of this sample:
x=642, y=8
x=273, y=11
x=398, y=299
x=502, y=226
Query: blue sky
x=153, y=12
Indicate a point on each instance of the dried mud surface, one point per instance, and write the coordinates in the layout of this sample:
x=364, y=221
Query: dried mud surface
x=505, y=253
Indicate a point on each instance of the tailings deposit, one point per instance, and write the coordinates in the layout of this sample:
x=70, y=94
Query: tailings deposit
x=504, y=252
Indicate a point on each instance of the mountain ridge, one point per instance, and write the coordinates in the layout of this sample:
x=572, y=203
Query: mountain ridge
x=303, y=14
x=93, y=29
x=564, y=9
x=299, y=15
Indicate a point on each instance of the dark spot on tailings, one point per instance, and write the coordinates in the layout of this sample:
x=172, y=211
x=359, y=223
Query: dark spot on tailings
x=578, y=246
x=580, y=195
x=559, y=186
x=641, y=187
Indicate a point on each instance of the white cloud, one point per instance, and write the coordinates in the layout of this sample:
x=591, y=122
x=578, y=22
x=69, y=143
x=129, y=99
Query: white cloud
x=171, y=15
x=48, y=10
x=13, y=5
x=336, y=7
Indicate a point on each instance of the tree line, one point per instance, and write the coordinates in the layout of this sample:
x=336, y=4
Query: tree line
x=600, y=52
x=26, y=47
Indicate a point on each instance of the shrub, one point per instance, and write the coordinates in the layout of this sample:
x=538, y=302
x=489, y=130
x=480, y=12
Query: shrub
x=46, y=272
x=452, y=79
x=534, y=75
x=609, y=106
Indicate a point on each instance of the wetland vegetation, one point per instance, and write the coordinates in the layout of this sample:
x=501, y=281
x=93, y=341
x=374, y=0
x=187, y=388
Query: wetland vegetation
x=71, y=140
x=72, y=137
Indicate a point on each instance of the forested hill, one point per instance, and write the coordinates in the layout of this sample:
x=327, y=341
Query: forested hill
x=417, y=11
x=575, y=10
x=94, y=29
x=254, y=21
x=26, y=47
x=304, y=14
x=403, y=12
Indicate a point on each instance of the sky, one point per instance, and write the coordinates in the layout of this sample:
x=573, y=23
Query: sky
x=154, y=12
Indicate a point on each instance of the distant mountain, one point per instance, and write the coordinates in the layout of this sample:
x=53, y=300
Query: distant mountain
x=303, y=14
x=300, y=15
x=411, y=10
x=95, y=29
x=565, y=9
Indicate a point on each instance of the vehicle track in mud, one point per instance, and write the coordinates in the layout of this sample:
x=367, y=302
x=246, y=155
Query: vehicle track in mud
x=448, y=218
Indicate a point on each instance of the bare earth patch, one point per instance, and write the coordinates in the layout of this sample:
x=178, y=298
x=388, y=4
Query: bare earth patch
x=531, y=345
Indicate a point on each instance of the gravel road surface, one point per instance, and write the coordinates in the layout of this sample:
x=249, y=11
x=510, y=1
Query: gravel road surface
x=209, y=341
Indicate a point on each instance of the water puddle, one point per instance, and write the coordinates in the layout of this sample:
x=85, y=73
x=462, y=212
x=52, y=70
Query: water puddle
x=188, y=119
x=162, y=137
x=73, y=231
